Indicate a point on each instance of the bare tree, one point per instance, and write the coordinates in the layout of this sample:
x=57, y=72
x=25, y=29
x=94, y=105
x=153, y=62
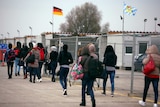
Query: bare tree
x=63, y=27
x=83, y=19
x=105, y=28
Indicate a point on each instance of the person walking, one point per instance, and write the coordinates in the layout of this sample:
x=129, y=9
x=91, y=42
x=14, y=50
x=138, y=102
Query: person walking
x=24, y=54
x=9, y=58
x=33, y=67
x=87, y=81
x=53, y=56
x=64, y=59
x=17, y=51
x=41, y=61
x=110, y=60
x=29, y=49
x=153, y=76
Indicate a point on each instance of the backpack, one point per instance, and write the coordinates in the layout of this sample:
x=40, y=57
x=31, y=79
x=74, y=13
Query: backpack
x=11, y=55
x=149, y=67
x=17, y=51
x=34, y=54
x=31, y=59
x=95, y=67
x=42, y=54
x=77, y=70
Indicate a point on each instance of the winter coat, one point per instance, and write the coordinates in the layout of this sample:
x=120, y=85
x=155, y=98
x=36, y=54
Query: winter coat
x=154, y=52
x=65, y=58
x=36, y=52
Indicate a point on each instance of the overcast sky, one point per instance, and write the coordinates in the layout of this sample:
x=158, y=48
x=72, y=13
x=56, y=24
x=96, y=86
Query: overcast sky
x=20, y=14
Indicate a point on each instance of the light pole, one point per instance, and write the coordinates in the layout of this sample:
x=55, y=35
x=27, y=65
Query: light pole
x=30, y=29
x=52, y=25
x=83, y=29
x=2, y=38
x=155, y=19
x=8, y=33
x=158, y=24
x=145, y=20
x=18, y=33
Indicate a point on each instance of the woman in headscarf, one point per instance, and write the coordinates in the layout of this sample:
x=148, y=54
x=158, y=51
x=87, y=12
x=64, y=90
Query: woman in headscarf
x=53, y=56
x=153, y=76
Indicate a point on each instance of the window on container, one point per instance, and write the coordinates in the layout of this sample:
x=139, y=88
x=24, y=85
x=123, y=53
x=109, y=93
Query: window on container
x=128, y=49
x=142, y=48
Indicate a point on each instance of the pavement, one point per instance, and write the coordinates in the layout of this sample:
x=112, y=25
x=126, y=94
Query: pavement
x=19, y=92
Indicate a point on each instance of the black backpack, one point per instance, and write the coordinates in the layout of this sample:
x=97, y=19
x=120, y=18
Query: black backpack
x=31, y=59
x=95, y=67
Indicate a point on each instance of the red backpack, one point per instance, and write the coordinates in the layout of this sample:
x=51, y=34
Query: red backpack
x=41, y=54
x=17, y=51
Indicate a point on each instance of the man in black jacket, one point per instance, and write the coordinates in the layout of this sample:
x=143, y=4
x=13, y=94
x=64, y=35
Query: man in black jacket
x=64, y=59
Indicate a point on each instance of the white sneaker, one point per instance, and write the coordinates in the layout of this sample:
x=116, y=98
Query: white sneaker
x=65, y=92
x=40, y=80
x=155, y=105
x=142, y=103
x=112, y=95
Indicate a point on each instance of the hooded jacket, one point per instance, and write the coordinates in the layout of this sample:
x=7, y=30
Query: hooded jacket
x=154, y=52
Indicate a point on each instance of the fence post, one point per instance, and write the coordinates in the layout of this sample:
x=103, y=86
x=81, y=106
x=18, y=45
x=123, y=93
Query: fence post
x=76, y=48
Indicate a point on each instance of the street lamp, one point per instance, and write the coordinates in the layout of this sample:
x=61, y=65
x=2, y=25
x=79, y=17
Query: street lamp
x=155, y=19
x=18, y=33
x=2, y=38
x=83, y=29
x=52, y=25
x=8, y=33
x=145, y=20
x=31, y=29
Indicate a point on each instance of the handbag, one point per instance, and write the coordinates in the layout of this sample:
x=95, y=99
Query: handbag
x=48, y=65
x=149, y=67
x=77, y=71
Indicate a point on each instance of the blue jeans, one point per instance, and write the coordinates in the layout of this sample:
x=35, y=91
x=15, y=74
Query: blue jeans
x=17, y=67
x=63, y=77
x=39, y=70
x=53, y=68
x=10, y=68
x=33, y=72
x=112, y=75
x=147, y=82
x=87, y=82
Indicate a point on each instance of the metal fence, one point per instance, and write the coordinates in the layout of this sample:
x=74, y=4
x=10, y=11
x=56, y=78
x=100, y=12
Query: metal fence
x=74, y=43
x=125, y=51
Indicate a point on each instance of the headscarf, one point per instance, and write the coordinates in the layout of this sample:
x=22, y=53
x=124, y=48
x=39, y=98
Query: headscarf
x=53, y=48
x=153, y=49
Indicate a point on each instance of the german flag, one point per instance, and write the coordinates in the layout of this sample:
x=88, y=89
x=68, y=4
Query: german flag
x=57, y=11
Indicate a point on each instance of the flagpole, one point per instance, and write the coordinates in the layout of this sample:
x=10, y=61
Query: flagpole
x=52, y=22
x=123, y=23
